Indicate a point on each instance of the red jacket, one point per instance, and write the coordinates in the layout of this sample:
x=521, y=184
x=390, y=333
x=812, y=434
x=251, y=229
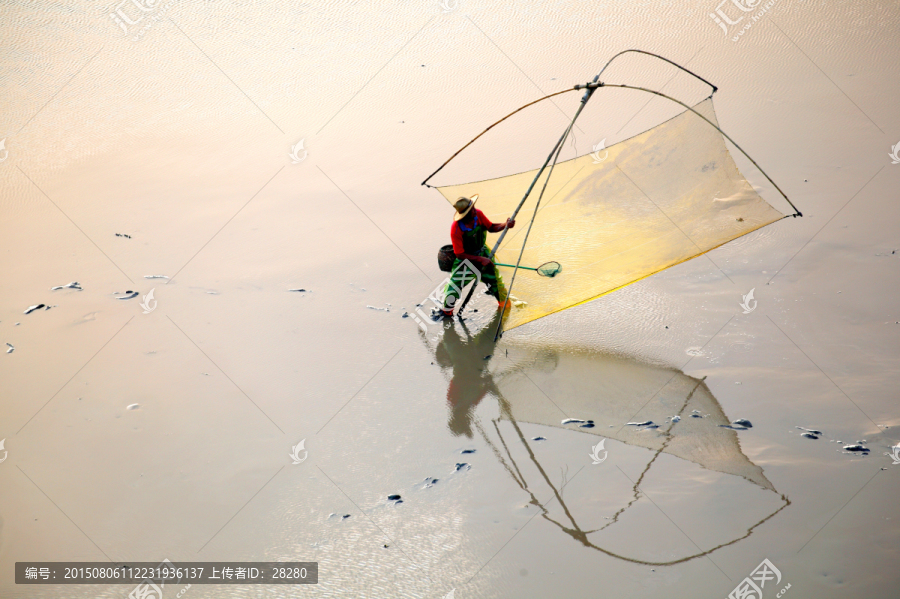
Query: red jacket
x=456, y=233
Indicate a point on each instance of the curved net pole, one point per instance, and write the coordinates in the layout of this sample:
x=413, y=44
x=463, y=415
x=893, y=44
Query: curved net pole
x=425, y=182
x=597, y=78
x=595, y=84
x=675, y=64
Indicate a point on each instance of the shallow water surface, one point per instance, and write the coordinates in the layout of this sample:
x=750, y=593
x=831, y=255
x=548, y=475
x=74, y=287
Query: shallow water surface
x=195, y=170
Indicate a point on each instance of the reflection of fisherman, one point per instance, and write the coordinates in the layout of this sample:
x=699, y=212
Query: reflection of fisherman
x=468, y=234
x=471, y=379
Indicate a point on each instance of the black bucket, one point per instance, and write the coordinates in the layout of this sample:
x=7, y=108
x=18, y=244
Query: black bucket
x=446, y=257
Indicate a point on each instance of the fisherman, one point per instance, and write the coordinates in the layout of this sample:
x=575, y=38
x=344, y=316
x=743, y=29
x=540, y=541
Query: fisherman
x=468, y=234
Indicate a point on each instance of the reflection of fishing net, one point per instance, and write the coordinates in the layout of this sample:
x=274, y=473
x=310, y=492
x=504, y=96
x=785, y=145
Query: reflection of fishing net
x=612, y=391
x=660, y=198
x=544, y=386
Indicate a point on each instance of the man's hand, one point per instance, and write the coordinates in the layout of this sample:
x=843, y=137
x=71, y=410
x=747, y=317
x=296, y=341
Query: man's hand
x=484, y=262
x=510, y=223
x=480, y=261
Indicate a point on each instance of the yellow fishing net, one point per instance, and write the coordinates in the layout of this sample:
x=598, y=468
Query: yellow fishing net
x=614, y=217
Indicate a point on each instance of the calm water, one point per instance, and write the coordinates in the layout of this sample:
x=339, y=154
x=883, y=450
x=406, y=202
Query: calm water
x=250, y=149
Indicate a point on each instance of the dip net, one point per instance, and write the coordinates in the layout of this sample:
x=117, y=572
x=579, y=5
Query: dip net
x=614, y=217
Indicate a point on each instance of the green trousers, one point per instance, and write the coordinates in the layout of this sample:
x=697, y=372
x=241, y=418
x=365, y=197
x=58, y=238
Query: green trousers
x=461, y=275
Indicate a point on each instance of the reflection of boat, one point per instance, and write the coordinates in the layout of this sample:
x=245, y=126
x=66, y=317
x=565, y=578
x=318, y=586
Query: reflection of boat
x=545, y=387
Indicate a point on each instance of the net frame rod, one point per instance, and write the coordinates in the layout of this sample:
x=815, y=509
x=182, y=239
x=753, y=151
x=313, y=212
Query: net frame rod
x=555, y=151
x=527, y=193
x=537, y=206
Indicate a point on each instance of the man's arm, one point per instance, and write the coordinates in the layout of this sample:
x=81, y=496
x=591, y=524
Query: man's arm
x=509, y=224
x=496, y=228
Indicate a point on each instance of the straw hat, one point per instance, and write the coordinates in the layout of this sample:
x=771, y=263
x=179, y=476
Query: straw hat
x=463, y=205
